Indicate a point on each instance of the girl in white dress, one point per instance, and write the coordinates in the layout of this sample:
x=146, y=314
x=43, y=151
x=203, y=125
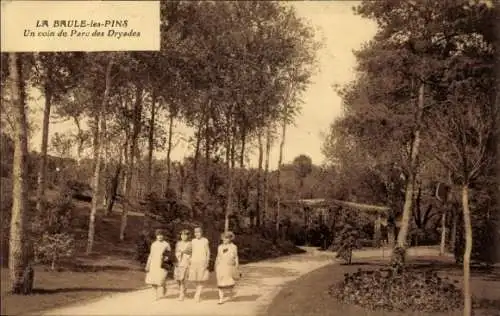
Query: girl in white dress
x=226, y=265
x=156, y=275
x=200, y=257
x=183, y=255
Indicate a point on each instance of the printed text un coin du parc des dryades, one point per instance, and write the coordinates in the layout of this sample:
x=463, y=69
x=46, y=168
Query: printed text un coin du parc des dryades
x=82, y=28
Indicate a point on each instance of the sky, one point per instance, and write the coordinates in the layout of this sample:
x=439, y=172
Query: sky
x=341, y=31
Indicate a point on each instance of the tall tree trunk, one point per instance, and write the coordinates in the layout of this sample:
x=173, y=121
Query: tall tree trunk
x=115, y=182
x=127, y=195
x=151, y=135
x=266, y=171
x=233, y=167
x=95, y=138
x=258, y=204
x=233, y=148
x=105, y=159
x=242, y=150
x=18, y=250
x=182, y=182
x=241, y=196
x=132, y=155
x=207, y=151
x=97, y=163
x=81, y=140
x=442, y=247
x=126, y=163
x=229, y=167
x=453, y=233
x=193, y=175
x=467, y=251
x=230, y=134
x=171, y=118
x=197, y=147
x=42, y=172
x=405, y=220
x=278, y=175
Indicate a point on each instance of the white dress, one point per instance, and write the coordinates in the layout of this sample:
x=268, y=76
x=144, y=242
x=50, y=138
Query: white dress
x=183, y=254
x=199, y=259
x=226, y=264
x=156, y=274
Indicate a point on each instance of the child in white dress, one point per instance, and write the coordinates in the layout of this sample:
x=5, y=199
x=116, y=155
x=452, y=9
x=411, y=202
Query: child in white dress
x=156, y=275
x=183, y=254
x=226, y=265
x=200, y=257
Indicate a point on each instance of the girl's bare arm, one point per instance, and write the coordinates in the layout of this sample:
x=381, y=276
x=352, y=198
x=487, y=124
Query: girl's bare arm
x=218, y=255
x=236, y=258
x=178, y=252
x=207, y=248
x=148, y=263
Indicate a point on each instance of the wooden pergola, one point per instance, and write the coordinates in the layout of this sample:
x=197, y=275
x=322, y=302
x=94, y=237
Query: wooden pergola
x=381, y=212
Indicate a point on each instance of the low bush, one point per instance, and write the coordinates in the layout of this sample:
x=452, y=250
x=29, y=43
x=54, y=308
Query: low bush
x=405, y=291
x=255, y=248
x=296, y=233
x=348, y=237
x=346, y=242
x=143, y=246
x=53, y=247
x=79, y=190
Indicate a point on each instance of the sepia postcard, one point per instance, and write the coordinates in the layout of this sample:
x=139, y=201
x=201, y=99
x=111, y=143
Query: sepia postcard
x=257, y=158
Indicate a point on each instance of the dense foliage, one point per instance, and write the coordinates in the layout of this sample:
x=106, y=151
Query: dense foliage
x=402, y=292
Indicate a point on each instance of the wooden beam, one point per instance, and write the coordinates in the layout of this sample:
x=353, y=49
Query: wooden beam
x=362, y=206
x=315, y=203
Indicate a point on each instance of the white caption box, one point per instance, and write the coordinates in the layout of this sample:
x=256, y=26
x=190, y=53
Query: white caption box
x=45, y=26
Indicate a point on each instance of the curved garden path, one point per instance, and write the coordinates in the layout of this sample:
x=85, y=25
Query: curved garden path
x=261, y=282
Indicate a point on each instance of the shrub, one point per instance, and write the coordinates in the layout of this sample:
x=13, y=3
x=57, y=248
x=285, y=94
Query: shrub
x=79, y=190
x=53, y=247
x=406, y=291
x=169, y=208
x=142, y=248
x=346, y=241
x=348, y=234
x=296, y=233
x=62, y=212
x=58, y=217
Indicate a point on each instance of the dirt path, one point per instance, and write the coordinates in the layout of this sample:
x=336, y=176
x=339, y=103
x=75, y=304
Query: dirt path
x=261, y=282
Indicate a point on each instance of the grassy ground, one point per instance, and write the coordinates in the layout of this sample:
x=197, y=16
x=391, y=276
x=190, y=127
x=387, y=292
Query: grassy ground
x=293, y=301
x=110, y=268
x=60, y=288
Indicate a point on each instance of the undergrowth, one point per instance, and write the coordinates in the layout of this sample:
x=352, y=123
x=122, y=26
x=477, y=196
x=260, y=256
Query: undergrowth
x=405, y=290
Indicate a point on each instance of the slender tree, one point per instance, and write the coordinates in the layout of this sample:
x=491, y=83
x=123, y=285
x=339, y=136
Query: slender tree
x=54, y=74
x=18, y=250
x=100, y=149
